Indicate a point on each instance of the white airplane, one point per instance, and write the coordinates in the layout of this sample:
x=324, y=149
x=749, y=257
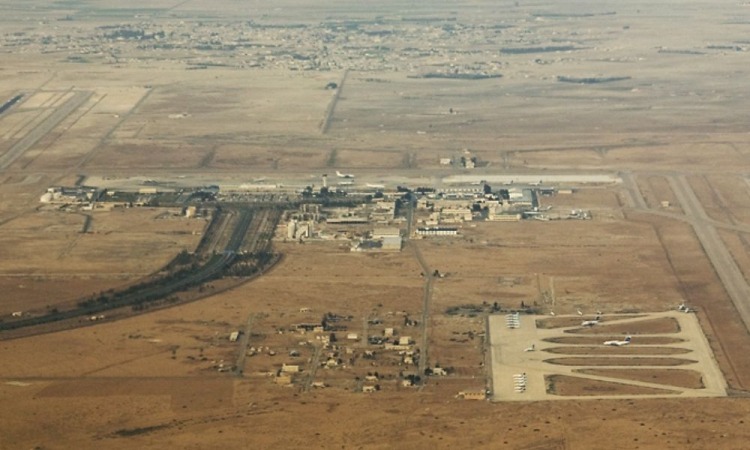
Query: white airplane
x=618, y=343
x=530, y=349
x=508, y=183
x=589, y=323
x=344, y=175
x=535, y=183
x=375, y=186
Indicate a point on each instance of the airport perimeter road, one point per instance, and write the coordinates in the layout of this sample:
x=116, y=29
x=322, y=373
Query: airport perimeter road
x=726, y=268
x=47, y=125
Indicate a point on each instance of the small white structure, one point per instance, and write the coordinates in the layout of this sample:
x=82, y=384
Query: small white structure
x=404, y=340
x=437, y=231
x=234, y=336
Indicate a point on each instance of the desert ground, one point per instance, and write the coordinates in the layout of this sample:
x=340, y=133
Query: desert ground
x=653, y=95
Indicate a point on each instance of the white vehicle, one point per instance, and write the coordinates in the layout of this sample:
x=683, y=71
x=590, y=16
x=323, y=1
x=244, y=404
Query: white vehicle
x=344, y=175
x=589, y=323
x=618, y=343
x=375, y=186
x=345, y=183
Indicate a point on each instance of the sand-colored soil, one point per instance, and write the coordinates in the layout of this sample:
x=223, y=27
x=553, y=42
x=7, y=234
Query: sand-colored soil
x=672, y=377
x=569, y=386
x=634, y=361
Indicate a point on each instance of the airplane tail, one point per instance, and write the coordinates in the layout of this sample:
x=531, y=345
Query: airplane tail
x=627, y=339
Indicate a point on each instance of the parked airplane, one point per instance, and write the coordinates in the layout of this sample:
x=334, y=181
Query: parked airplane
x=344, y=175
x=535, y=183
x=618, y=343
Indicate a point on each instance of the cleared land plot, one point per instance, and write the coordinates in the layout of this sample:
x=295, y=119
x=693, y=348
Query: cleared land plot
x=121, y=245
x=690, y=379
x=663, y=325
x=575, y=386
x=567, y=322
x=267, y=103
x=600, y=248
x=625, y=361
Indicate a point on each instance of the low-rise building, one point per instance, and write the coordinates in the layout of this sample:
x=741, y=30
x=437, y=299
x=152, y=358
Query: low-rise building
x=392, y=243
x=380, y=233
x=473, y=395
x=290, y=368
x=283, y=380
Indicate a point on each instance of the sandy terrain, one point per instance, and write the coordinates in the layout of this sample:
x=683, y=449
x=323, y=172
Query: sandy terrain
x=235, y=91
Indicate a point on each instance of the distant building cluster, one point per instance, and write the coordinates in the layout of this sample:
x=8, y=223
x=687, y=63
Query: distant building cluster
x=391, y=45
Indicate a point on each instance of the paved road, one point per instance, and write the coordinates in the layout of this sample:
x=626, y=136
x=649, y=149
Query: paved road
x=41, y=130
x=726, y=268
